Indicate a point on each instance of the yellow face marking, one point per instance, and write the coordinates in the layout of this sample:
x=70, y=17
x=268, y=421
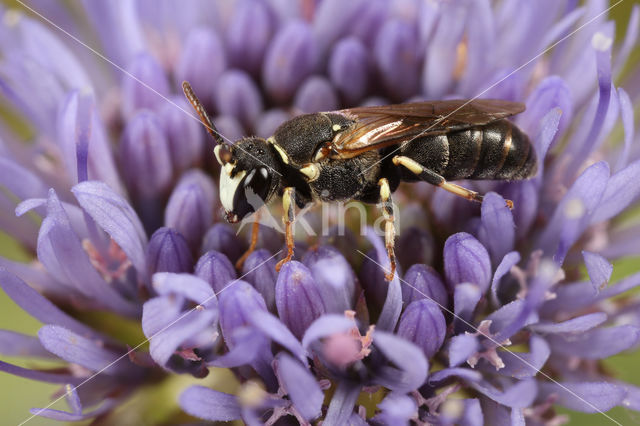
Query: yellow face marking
x=228, y=168
x=385, y=191
x=336, y=127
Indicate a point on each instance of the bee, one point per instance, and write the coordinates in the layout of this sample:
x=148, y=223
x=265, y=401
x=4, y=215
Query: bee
x=364, y=153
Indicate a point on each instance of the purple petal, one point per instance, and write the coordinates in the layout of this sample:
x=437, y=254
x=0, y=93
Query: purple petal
x=466, y=260
x=291, y=56
x=342, y=403
x=498, y=229
x=247, y=344
x=597, y=343
x=461, y=348
x=516, y=314
x=421, y=282
x=159, y=312
x=574, y=211
x=21, y=345
x=237, y=303
x=349, y=69
x=575, y=325
x=415, y=246
x=229, y=127
x=187, y=285
x=249, y=33
x=301, y=386
x=63, y=416
x=626, y=113
x=413, y=366
x=551, y=94
x=41, y=376
x=190, y=207
x=165, y=342
x=396, y=55
x=277, y=331
x=147, y=89
x=209, y=404
x=298, y=297
x=144, y=155
x=88, y=353
x=585, y=397
x=237, y=95
x=316, y=94
x=39, y=307
x=599, y=269
x=397, y=409
x=116, y=217
x=61, y=252
x=269, y=122
x=202, y=62
x=508, y=262
x=621, y=190
x=465, y=299
x=519, y=395
x=393, y=301
x=465, y=374
x=325, y=326
x=260, y=270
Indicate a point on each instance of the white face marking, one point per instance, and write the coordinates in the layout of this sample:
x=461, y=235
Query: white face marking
x=228, y=188
x=336, y=127
x=216, y=152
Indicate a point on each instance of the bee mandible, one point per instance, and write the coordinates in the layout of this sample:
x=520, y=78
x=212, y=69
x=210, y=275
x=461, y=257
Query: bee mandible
x=364, y=153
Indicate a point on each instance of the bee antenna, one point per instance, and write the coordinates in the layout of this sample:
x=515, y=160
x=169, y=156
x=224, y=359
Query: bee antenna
x=202, y=113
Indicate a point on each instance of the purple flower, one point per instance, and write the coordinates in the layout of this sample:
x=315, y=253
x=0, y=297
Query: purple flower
x=107, y=185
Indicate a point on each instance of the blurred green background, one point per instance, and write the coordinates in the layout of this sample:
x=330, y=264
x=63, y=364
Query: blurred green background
x=18, y=395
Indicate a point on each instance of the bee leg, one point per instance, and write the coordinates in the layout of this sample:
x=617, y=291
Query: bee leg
x=435, y=179
x=255, y=230
x=289, y=205
x=389, y=226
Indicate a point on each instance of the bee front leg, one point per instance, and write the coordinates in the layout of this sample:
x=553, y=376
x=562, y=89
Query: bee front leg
x=255, y=231
x=435, y=179
x=389, y=226
x=289, y=205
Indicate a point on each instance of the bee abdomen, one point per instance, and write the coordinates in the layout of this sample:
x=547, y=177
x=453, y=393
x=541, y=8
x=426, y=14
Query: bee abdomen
x=499, y=150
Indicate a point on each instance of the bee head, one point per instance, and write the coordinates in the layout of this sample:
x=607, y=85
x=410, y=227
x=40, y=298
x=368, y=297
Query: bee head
x=249, y=176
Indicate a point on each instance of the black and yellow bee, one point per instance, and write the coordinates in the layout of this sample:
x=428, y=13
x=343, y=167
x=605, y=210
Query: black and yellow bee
x=364, y=153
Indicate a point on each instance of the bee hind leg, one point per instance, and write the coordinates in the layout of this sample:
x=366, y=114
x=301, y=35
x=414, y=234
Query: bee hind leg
x=389, y=226
x=435, y=179
x=289, y=205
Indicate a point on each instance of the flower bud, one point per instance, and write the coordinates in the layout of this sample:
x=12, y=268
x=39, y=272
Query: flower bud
x=260, y=270
x=202, y=62
x=349, y=69
x=184, y=135
x=423, y=323
x=290, y=58
x=144, y=156
x=237, y=95
x=269, y=121
x=316, y=94
x=168, y=252
x=415, y=245
x=248, y=35
x=396, y=54
x=216, y=269
x=229, y=127
x=236, y=304
x=136, y=95
x=297, y=297
x=423, y=282
x=334, y=276
x=466, y=260
x=190, y=207
x=221, y=237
